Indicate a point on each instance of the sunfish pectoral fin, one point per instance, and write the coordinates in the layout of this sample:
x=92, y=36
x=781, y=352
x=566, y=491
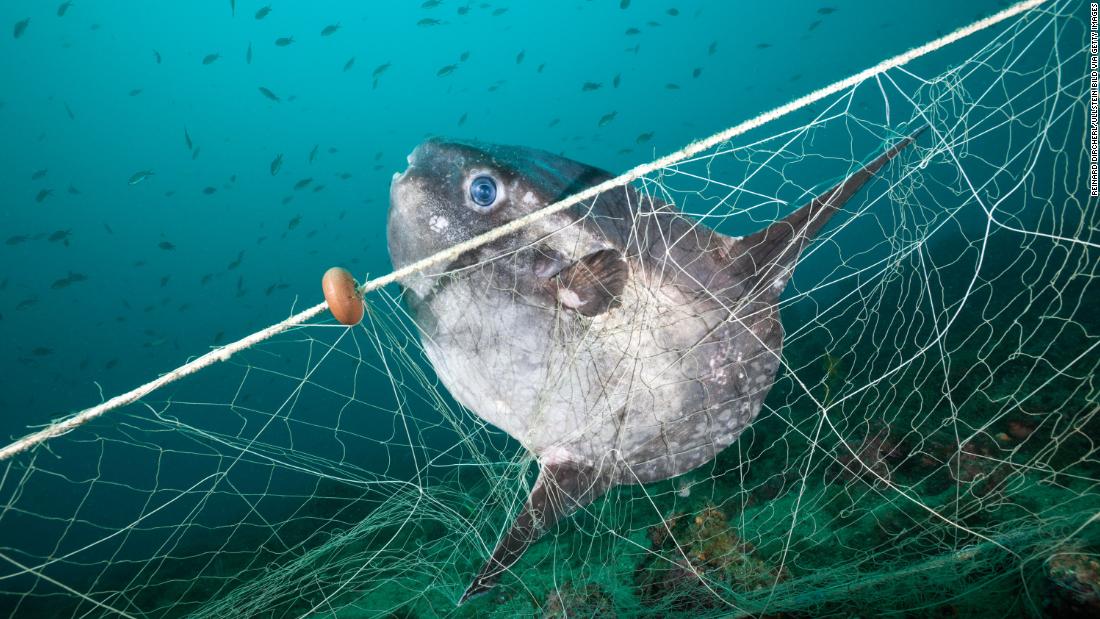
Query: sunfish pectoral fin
x=593, y=284
x=561, y=488
x=772, y=252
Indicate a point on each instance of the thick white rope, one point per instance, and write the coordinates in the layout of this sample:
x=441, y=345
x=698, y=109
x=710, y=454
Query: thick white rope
x=448, y=255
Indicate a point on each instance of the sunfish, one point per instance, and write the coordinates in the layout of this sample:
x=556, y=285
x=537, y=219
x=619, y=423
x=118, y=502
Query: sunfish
x=619, y=341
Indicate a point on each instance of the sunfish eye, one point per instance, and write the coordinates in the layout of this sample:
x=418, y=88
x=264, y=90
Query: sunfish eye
x=483, y=191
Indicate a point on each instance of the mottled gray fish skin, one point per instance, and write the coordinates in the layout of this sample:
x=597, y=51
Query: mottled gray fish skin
x=619, y=341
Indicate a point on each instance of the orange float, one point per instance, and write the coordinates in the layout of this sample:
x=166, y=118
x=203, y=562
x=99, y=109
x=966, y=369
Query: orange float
x=342, y=295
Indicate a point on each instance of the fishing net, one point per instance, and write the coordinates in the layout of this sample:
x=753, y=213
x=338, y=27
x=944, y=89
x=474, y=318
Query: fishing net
x=928, y=448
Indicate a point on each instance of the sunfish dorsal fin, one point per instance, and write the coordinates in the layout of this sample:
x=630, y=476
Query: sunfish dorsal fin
x=561, y=488
x=772, y=252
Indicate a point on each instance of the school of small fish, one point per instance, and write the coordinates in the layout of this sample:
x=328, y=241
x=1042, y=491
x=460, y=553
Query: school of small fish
x=285, y=165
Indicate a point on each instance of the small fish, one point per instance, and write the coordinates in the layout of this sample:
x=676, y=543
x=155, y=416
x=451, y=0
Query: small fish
x=673, y=12
x=209, y=191
x=672, y=86
x=195, y=153
x=276, y=164
x=20, y=27
x=42, y=195
x=590, y=86
x=763, y=45
x=380, y=69
x=17, y=239
x=499, y=12
x=462, y=119
x=826, y=10
x=25, y=303
x=632, y=32
x=713, y=48
x=349, y=64
x=606, y=118
x=429, y=4
x=248, y=54
x=270, y=95
x=313, y=153
x=618, y=80
x=233, y=7
x=644, y=137
x=236, y=263
x=60, y=236
x=447, y=70
x=428, y=21
x=262, y=13
x=210, y=58
x=166, y=246
x=69, y=111
x=64, y=6
x=465, y=56
x=73, y=190
x=42, y=351
x=302, y=184
x=462, y=10
x=520, y=55
x=135, y=92
x=137, y=177
x=293, y=223
x=813, y=25
x=60, y=283
x=696, y=72
x=284, y=41
x=624, y=4
x=156, y=56
x=330, y=30
x=39, y=174
x=187, y=139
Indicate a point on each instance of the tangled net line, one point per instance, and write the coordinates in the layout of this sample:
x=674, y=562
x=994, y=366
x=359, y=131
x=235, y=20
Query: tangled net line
x=929, y=442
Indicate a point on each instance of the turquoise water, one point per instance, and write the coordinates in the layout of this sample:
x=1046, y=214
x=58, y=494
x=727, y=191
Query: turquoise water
x=141, y=310
x=179, y=175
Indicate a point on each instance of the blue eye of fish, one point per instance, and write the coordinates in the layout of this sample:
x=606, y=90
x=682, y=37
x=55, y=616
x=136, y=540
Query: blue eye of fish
x=483, y=191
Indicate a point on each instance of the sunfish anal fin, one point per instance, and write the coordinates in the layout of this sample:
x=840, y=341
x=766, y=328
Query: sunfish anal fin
x=561, y=488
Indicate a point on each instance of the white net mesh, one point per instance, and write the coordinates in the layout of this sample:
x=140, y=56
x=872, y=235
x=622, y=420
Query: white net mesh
x=929, y=444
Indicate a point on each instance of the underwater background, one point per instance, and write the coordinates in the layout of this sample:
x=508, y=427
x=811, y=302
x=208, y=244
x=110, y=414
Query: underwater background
x=177, y=175
x=140, y=309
